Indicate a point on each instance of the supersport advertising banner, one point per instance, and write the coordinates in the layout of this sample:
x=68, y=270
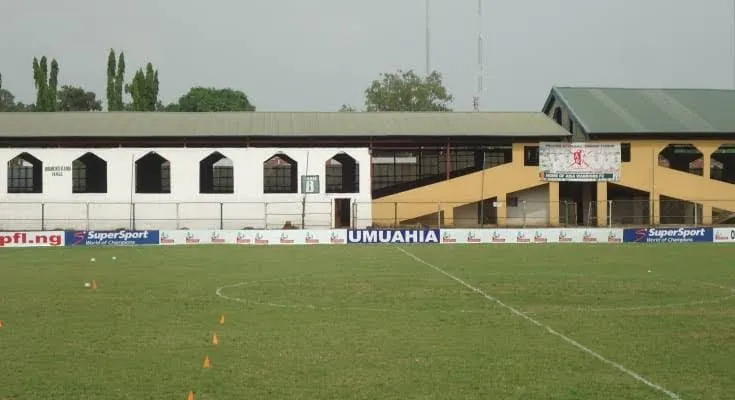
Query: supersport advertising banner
x=111, y=238
x=669, y=235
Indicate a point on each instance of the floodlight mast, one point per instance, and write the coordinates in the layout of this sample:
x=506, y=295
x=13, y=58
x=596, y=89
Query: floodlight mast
x=480, y=78
x=427, y=38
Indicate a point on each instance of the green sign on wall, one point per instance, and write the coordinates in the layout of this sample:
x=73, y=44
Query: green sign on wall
x=309, y=184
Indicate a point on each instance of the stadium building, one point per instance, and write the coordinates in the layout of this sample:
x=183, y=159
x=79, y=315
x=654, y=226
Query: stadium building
x=648, y=157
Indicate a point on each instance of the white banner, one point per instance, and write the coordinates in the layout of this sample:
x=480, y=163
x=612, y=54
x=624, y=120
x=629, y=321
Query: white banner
x=32, y=239
x=253, y=237
x=579, y=162
x=530, y=236
x=724, y=235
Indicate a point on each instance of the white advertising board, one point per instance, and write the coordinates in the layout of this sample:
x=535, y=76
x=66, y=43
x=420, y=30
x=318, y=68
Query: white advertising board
x=579, y=162
x=724, y=235
x=253, y=237
x=531, y=236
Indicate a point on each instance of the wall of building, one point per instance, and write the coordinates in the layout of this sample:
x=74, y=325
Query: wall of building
x=643, y=173
x=184, y=207
x=532, y=209
x=462, y=194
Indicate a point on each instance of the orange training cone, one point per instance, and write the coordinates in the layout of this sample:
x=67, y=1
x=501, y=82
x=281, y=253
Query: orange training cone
x=191, y=396
x=94, y=284
x=2, y=324
x=207, y=362
x=222, y=320
x=215, y=339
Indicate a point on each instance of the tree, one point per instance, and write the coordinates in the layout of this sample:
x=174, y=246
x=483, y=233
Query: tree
x=46, y=85
x=201, y=99
x=406, y=91
x=72, y=98
x=115, y=81
x=144, y=89
x=347, y=108
x=7, y=101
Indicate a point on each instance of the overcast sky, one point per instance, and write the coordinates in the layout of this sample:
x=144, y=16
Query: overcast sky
x=299, y=55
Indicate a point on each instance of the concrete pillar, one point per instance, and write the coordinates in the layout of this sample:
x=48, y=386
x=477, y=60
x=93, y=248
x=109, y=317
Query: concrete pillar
x=655, y=208
x=554, y=203
x=502, y=209
x=448, y=212
x=602, y=204
x=706, y=218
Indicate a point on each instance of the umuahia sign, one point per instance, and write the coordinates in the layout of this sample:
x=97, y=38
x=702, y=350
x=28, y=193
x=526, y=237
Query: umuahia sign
x=579, y=162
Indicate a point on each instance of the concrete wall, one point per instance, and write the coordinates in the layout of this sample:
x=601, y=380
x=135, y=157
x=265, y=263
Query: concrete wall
x=184, y=207
x=532, y=209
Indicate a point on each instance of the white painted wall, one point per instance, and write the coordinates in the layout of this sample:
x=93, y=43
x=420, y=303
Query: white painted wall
x=533, y=207
x=184, y=207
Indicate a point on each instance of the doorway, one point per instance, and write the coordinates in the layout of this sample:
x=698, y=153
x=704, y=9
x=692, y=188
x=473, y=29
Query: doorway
x=342, y=208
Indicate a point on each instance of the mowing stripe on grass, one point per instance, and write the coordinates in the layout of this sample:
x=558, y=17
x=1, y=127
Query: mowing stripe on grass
x=550, y=330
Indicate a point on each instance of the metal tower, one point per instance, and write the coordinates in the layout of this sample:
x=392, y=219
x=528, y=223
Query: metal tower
x=480, y=77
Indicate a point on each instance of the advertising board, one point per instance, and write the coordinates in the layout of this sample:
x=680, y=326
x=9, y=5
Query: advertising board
x=579, y=162
x=32, y=239
x=723, y=235
x=253, y=237
x=393, y=236
x=530, y=236
x=668, y=235
x=111, y=238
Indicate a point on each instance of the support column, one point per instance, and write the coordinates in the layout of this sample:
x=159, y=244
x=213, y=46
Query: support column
x=706, y=217
x=602, y=219
x=554, y=203
x=448, y=212
x=655, y=208
x=707, y=150
x=502, y=209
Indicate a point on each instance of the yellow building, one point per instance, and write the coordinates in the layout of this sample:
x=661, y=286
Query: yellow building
x=677, y=149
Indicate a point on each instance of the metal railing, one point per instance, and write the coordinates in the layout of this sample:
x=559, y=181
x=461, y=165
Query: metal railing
x=325, y=215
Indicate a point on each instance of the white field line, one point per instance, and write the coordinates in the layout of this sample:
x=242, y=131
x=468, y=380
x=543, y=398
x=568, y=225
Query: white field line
x=220, y=290
x=220, y=293
x=550, y=330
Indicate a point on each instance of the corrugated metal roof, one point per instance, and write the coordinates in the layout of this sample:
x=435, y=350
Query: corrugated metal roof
x=149, y=124
x=652, y=111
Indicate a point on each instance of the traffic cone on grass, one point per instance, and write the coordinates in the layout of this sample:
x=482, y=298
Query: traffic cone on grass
x=94, y=284
x=191, y=396
x=2, y=324
x=215, y=339
x=207, y=363
x=222, y=320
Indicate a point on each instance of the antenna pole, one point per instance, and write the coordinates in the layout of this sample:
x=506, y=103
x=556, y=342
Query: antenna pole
x=480, y=60
x=428, y=38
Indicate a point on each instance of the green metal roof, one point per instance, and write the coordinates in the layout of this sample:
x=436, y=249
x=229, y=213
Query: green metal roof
x=648, y=111
x=159, y=124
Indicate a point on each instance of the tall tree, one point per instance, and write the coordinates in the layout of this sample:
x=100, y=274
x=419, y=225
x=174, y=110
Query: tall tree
x=406, y=91
x=77, y=99
x=120, y=82
x=115, y=81
x=347, y=108
x=200, y=99
x=144, y=89
x=7, y=100
x=46, y=85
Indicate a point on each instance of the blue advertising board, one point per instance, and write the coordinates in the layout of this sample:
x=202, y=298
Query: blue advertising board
x=393, y=236
x=668, y=235
x=111, y=238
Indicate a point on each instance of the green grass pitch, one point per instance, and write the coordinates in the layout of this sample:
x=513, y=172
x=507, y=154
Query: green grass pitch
x=369, y=322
